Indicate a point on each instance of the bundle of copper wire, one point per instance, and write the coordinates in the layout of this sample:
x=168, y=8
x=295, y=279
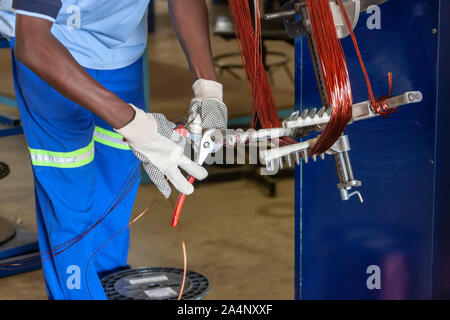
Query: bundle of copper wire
x=249, y=39
x=334, y=71
x=332, y=63
x=332, y=60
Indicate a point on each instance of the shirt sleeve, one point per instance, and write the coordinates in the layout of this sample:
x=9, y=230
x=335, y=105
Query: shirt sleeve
x=46, y=9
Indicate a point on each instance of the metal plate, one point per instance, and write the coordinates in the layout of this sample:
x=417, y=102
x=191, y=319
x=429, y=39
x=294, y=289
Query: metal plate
x=353, y=8
x=7, y=231
x=154, y=284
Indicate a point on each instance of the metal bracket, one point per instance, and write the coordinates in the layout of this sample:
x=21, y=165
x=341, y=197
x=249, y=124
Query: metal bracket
x=296, y=27
x=301, y=125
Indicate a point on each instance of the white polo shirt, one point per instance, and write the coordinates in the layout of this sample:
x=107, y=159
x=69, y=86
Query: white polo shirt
x=100, y=34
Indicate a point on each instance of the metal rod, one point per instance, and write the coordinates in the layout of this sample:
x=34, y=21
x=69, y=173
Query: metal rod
x=341, y=169
x=286, y=13
x=348, y=166
x=279, y=15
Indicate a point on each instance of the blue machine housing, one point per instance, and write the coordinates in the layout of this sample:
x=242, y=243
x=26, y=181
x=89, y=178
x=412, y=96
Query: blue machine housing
x=403, y=162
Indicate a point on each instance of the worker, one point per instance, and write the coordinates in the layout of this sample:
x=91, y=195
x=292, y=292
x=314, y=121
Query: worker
x=77, y=69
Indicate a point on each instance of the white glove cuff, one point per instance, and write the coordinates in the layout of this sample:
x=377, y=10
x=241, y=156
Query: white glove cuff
x=142, y=128
x=208, y=89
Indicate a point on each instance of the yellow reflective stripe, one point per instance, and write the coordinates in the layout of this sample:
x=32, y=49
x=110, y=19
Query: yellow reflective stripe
x=110, y=138
x=71, y=159
x=64, y=165
x=78, y=157
x=63, y=154
x=108, y=133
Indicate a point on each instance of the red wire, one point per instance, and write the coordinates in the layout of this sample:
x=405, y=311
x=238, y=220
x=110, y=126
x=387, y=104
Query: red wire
x=179, y=205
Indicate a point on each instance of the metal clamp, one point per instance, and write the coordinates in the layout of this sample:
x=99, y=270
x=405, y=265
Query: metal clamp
x=297, y=27
x=294, y=27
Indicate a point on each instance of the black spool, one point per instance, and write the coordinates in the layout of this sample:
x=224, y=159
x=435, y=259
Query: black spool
x=7, y=229
x=4, y=170
x=154, y=284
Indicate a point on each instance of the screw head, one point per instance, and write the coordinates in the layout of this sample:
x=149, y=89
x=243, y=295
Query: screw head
x=434, y=30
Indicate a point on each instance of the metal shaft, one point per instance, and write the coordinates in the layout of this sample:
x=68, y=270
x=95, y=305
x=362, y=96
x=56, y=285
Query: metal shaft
x=279, y=15
x=341, y=168
x=348, y=166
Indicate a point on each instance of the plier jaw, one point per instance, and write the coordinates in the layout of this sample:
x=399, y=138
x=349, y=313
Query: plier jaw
x=204, y=144
x=210, y=142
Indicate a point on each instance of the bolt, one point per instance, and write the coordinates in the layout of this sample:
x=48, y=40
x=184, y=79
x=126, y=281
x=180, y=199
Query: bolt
x=434, y=31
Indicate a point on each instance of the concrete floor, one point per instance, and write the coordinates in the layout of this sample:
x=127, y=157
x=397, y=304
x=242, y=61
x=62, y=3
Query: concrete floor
x=240, y=239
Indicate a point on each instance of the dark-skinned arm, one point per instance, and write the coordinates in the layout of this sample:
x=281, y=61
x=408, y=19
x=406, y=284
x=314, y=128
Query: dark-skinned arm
x=190, y=20
x=41, y=52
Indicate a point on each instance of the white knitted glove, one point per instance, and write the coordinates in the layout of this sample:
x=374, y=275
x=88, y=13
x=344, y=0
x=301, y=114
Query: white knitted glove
x=207, y=108
x=153, y=140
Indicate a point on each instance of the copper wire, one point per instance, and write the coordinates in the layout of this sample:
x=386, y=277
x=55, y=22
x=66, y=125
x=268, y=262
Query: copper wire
x=139, y=216
x=40, y=257
x=334, y=71
x=183, y=282
x=250, y=46
x=378, y=105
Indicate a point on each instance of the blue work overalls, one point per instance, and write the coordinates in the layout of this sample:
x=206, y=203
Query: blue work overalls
x=79, y=165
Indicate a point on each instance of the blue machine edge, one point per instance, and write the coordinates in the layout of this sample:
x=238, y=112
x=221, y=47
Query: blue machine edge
x=404, y=231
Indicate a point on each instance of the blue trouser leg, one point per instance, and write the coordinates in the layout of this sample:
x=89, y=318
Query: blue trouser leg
x=114, y=165
x=76, y=180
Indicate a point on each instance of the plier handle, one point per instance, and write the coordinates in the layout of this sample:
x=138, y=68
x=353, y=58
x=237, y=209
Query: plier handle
x=205, y=145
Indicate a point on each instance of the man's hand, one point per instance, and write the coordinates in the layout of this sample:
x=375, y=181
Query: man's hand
x=207, y=109
x=153, y=140
x=190, y=20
